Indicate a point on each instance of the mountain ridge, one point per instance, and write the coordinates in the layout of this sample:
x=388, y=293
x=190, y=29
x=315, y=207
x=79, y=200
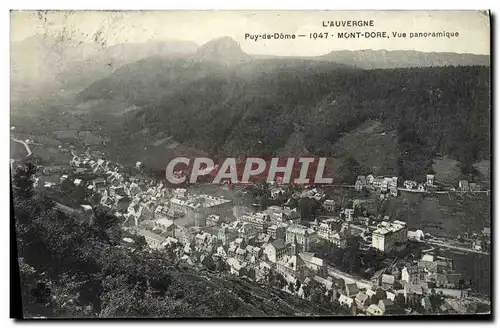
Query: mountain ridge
x=375, y=59
x=44, y=66
x=223, y=50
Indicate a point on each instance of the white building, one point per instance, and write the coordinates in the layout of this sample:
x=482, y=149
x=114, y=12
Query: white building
x=304, y=236
x=332, y=231
x=277, y=192
x=329, y=205
x=410, y=184
x=276, y=250
x=205, y=204
x=180, y=193
x=279, y=215
x=325, y=230
x=416, y=235
x=260, y=220
x=339, y=239
x=463, y=185
x=349, y=212
x=387, y=234
x=413, y=275
x=430, y=180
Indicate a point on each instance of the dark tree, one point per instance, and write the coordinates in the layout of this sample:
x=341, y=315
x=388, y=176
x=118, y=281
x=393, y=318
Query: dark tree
x=23, y=180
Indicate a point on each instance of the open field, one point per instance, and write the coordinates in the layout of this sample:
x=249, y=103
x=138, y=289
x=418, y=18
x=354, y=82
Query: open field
x=442, y=215
x=447, y=171
x=475, y=267
x=51, y=155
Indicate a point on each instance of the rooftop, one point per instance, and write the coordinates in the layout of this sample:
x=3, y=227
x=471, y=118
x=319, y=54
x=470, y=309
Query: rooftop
x=234, y=263
x=299, y=229
x=352, y=288
x=196, y=201
x=164, y=222
x=417, y=289
x=386, y=302
x=309, y=257
x=278, y=244
x=361, y=297
x=416, y=268
x=325, y=282
x=387, y=279
x=386, y=227
x=86, y=207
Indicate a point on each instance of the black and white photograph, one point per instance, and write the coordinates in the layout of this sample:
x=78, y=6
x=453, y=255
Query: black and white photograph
x=250, y=164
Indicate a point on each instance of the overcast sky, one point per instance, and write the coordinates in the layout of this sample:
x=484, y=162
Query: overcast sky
x=201, y=26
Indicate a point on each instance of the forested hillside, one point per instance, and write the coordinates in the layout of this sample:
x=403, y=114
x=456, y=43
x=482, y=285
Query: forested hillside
x=255, y=108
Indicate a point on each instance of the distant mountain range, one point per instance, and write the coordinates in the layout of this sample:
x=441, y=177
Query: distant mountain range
x=45, y=63
x=373, y=59
x=41, y=65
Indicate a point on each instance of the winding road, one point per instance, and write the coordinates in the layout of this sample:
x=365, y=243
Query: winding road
x=26, y=146
x=449, y=246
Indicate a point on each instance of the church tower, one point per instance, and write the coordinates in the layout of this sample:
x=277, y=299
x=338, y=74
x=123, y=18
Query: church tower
x=306, y=240
x=294, y=247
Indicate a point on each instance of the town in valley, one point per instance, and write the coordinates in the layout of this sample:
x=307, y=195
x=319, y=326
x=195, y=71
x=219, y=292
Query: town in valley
x=266, y=164
x=334, y=238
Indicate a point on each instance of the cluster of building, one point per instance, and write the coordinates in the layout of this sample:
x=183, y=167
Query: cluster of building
x=276, y=232
x=274, y=219
x=386, y=185
x=258, y=256
x=195, y=209
x=432, y=271
x=274, y=240
x=375, y=301
x=414, y=280
x=132, y=197
x=389, y=185
x=204, y=230
x=420, y=186
x=384, y=236
x=255, y=243
x=466, y=186
x=158, y=213
x=190, y=219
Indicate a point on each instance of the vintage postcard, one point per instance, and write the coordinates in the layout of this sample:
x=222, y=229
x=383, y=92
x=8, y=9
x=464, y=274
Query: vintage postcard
x=263, y=164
